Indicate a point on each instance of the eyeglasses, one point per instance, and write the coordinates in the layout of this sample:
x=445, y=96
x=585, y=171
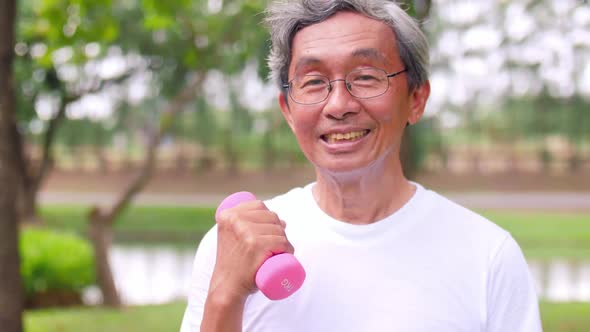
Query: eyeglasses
x=362, y=83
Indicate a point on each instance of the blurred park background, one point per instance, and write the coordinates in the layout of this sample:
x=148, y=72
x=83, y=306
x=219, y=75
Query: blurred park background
x=132, y=119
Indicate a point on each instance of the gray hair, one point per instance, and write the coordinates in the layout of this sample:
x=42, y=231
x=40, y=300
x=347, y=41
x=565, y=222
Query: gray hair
x=286, y=17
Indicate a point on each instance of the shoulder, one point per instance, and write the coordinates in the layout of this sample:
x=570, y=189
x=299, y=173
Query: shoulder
x=454, y=214
x=466, y=227
x=292, y=201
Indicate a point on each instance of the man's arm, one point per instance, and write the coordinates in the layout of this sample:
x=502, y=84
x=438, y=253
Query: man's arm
x=223, y=312
x=199, y=282
x=512, y=299
x=210, y=307
x=226, y=264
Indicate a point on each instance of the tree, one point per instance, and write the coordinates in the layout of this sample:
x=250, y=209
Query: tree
x=101, y=220
x=53, y=28
x=196, y=41
x=179, y=41
x=11, y=291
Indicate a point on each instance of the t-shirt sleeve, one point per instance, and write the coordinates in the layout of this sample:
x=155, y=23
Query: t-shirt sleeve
x=199, y=283
x=512, y=300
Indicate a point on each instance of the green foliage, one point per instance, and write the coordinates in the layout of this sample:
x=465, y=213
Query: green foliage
x=205, y=123
x=55, y=261
x=179, y=39
x=426, y=138
x=571, y=317
x=175, y=41
x=536, y=118
x=77, y=132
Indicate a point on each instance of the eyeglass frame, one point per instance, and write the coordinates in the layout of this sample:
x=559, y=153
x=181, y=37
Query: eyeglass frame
x=287, y=86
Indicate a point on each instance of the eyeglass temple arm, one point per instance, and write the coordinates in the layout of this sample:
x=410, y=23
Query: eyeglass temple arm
x=397, y=73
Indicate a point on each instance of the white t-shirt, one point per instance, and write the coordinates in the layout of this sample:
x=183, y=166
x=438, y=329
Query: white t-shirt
x=430, y=266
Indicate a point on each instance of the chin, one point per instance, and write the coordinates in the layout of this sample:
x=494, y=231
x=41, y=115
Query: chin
x=343, y=166
x=364, y=164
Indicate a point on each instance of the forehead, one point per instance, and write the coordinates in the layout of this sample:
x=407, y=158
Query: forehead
x=344, y=39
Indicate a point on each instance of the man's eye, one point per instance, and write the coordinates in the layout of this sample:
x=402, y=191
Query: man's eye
x=312, y=83
x=361, y=78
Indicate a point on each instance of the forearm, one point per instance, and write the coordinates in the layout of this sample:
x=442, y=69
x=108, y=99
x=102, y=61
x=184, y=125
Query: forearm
x=222, y=313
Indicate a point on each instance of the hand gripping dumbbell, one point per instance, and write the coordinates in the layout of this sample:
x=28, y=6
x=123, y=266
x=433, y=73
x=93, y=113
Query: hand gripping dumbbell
x=280, y=275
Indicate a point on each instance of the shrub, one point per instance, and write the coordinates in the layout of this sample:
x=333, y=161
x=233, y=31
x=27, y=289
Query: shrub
x=53, y=261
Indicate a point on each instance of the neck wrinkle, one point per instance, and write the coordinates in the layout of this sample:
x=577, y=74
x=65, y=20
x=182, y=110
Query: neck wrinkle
x=363, y=196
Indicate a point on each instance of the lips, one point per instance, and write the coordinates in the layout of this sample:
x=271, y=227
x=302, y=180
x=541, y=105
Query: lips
x=344, y=136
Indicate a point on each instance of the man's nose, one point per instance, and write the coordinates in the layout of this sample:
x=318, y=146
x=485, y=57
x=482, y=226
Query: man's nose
x=340, y=103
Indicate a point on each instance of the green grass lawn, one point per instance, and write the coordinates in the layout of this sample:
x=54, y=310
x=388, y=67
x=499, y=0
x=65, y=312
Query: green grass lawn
x=156, y=318
x=547, y=234
x=136, y=218
x=177, y=225
x=540, y=234
x=557, y=317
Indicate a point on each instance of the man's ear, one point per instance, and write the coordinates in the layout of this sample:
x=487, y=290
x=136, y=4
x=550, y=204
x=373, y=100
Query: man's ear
x=418, y=99
x=283, y=103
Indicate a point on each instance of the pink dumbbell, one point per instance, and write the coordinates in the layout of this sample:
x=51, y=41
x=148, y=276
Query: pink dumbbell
x=280, y=275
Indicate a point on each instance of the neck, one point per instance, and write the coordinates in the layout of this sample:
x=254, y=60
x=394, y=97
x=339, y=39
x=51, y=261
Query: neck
x=363, y=196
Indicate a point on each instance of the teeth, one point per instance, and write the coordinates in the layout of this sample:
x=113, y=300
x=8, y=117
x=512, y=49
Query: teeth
x=347, y=136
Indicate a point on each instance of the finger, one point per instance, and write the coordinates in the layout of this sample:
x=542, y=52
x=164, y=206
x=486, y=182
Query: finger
x=270, y=229
x=250, y=205
x=274, y=244
x=260, y=217
x=250, y=233
x=250, y=216
x=271, y=245
x=233, y=212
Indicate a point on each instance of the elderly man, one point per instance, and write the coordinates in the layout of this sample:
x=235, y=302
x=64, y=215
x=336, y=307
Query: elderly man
x=381, y=253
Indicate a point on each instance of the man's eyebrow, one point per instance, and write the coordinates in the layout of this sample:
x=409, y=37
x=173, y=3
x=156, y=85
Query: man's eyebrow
x=306, y=61
x=369, y=53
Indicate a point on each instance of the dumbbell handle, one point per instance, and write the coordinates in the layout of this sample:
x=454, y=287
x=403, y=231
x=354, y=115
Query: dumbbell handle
x=280, y=275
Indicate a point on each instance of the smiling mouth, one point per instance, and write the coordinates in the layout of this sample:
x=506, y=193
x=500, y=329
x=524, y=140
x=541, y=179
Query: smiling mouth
x=345, y=137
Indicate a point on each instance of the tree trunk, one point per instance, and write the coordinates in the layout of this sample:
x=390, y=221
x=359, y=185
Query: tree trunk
x=476, y=162
x=101, y=236
x=79, y=158
x=205, y=161
x=32, y=178
x=26, y=199
x=546, y=158
x=575, y=159
x=11, y=290
x=182, y=161
x=269, y=153
x=27, y=206
x=101, y=220
x=231, y=155
x=101, y=159
x=407, y=156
